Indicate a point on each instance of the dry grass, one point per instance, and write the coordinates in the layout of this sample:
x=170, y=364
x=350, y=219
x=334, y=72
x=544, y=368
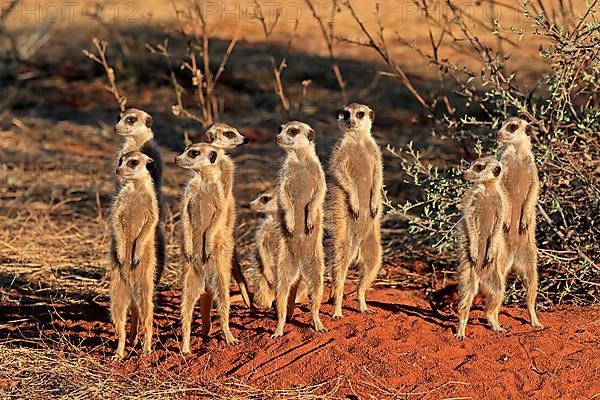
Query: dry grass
x=63, y=371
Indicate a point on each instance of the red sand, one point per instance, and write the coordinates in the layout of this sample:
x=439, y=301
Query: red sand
x=403, y=349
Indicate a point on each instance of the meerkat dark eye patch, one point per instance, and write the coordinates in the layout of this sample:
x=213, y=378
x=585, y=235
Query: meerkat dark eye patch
x=479, y=167
x=360, y=114
x=194, y=153
x=497, y=170
x=229, y=134
x=339, y=114
x=347, y=115
x=212, y=157
x=131, y=120
x=265, y=199
x=293, y=131
x=149, y=121
x=133, y=163
x=512, y=127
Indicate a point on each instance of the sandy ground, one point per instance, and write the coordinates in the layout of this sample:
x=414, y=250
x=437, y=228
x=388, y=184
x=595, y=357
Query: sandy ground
x=403, y=350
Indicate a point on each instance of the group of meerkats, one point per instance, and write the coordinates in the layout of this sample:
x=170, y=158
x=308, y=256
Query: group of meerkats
x=498, y=225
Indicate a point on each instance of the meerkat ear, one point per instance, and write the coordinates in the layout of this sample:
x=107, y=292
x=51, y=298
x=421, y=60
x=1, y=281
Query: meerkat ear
x=311, y=135
x=496, y=171
x=149, y=121
x=372, y=115
x=212, y=157
x=150, y=165
x=528, y=129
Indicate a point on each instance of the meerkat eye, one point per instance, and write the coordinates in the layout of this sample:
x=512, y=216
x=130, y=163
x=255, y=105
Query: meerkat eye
x=194, y=153
x=265, y=199
x=293, y=131
x=512, y=127
x=346, y=114
x=479, y=167
x=360, y=115
x=133, y=163
x=229, y=134
x=131, y=120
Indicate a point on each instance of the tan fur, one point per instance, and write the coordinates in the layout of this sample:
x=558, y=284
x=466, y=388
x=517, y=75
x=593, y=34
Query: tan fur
x=133, y=257
x=355, y=204
x=225, y=137
x=268, y=245
x=300, y=193
x=483, y=264
x=207, y=242
x=522, y=184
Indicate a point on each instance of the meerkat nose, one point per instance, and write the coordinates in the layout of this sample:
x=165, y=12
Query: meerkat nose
x=176, y=161
x=118, y=171
x=246, y=141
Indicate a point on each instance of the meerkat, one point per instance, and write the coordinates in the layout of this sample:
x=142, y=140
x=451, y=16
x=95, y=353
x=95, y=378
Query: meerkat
x=522, y=184
x=300, y=196
x=355, y=204
x=133, y=257
x=268, y=243
x=207, y=241
x=135, y=126
x=483, y=261
x=225, y=137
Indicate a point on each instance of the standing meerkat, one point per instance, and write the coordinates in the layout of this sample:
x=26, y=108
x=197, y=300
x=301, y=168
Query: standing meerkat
x=483, y=261
x=135, y=126
x=300, y=195
x=133, y=256
x=268, y=245
x=225, y=137
x=355, y=204
x=522, y=184
x=207, y=241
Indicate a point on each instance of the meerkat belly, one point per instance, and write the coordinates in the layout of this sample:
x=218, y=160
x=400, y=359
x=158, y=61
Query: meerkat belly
x=517, y=183
x=201, y=214
x=487, y=221
x=362, y=175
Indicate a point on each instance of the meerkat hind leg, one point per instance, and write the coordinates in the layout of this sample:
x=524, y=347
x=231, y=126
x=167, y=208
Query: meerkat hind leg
x=193, y=287
x=291, y=302
x=314, y=279
x=120, y=298
x=370, y=251
x=494, y=296
x=146, y=306
x=528, y=272
x=341, y=262
x=205, y=307
x=287, y=274
x=221, y=294
x=133, y=327
x=467, y=290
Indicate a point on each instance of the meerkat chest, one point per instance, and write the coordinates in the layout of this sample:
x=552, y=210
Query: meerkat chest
x=134, y=210
x=488, y=203
x=201, y=208
x=518, y=177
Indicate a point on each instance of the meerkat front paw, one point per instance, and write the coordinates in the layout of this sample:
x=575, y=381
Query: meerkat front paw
x=308, y=229
x=135, y=261
x=206, y=256
x=374, y=211
x=472, y=261
x=522, y=227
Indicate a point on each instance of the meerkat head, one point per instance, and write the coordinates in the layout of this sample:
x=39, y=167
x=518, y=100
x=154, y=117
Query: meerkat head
x=265, y=203
x=295, y=135
x=355, y=118
x=134, y=166
x=197, y=155
x=514, y=130
x=483, y=170
x=225, y=136
x=133, y=122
